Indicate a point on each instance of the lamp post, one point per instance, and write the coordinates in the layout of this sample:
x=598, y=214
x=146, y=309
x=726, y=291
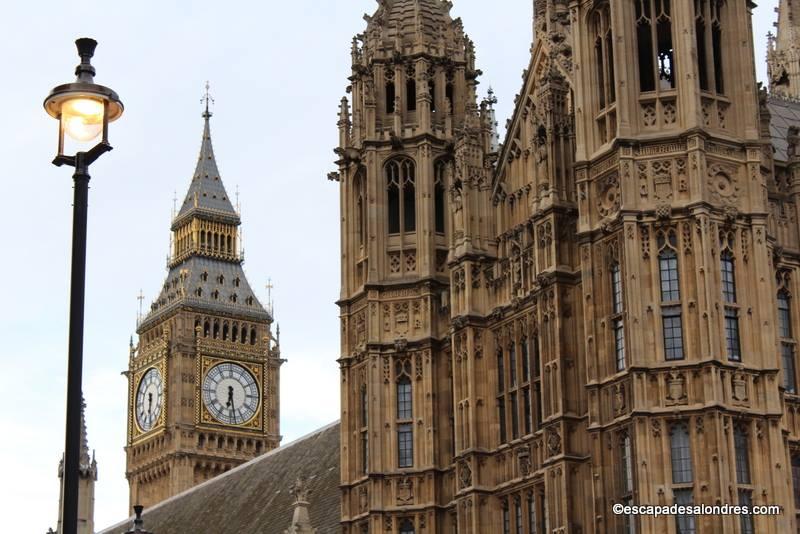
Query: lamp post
x=83, y=110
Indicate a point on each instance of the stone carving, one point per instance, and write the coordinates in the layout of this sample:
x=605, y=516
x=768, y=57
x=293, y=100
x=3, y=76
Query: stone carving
x=405, y=491
x=608, y=195
x=676, y=389
x=464, y=475
x=722, y=185
x=619, y=399
x=553, y=441
x=739, y=388
x=363, y=499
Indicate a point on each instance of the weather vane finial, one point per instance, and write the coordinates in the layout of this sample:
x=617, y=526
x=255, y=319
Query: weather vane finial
x=207, y=99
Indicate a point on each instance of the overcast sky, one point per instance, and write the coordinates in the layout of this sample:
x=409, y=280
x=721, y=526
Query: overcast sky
x=277, y=72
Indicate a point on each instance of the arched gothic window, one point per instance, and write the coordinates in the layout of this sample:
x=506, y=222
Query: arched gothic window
x=604, y=56
x=708, y=32
x=401, y=195
x=654, y=44
x=361, y=208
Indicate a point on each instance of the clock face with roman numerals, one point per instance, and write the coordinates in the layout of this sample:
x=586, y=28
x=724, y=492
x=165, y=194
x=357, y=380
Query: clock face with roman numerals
x=230, y=393
x=149, y=397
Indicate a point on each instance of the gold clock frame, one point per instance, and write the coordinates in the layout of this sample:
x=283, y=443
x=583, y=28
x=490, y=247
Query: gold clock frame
x=137, y=432
x=204, y=417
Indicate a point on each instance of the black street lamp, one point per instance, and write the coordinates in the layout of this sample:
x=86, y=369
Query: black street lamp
x=83, y=110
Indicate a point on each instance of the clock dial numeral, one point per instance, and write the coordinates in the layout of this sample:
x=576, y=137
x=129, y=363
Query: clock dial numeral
x=230, y=394
x=149, y=399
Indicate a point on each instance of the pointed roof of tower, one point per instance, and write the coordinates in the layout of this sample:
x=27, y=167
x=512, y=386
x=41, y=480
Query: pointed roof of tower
x=206, y=194
x=88, y=464
x=409, y=20
x=199, y=280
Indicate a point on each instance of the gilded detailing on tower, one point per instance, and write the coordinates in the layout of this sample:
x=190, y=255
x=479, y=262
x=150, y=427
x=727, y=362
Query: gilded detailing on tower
x=205, y=375
x=598, y=312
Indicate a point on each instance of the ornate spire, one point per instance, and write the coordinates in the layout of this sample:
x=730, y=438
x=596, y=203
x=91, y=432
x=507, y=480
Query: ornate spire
x=88, y=464
x=206, y=192
x=783, y=52
x=206, y=257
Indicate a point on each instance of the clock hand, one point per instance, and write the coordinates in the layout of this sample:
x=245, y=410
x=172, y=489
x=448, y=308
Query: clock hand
x=230, y=403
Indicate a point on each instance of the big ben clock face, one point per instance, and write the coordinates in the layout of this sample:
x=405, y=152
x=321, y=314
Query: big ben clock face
x=230, y=393
x=149, y=396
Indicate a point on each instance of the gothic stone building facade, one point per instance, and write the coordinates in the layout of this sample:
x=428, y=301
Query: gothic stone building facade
x=600, y=310
x=203, y=380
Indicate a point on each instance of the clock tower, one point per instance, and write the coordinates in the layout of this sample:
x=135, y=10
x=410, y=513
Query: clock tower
x=203, y=379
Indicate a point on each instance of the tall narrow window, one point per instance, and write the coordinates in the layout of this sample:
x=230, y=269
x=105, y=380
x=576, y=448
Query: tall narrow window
x=526, y=403
x=617, y=325
x=731, y=312
x=517, y=515
x=364, y=429
x=626, y=480
x=796, y=482
x=501, y=414
x=411, y=94
x=409, y=198
x=742, y=453
x=501, y=389
x=432, y=92
x=523, y=356
x=732, y=335
x=506, y=519
x=681, y=455
x=361, y=208
x=405, y=445
x=702, y=50
x=439, y=185
x=742, y=450
x=514, y=415
x=404, y=398
x=512, y=364
x=501, y=378
x=390, y=97
x=406, y=527
x=536, y=381
x=401, y=197
x=531, y=513
x=604, y=56
x=450, y=96
x=682, y=475
x=405, y=436
x=654, y=44
x=393, y=199
x=787, y=341
x=672, y=321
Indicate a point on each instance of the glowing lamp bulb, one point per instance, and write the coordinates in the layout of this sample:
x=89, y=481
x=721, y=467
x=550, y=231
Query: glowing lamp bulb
x=82, y=118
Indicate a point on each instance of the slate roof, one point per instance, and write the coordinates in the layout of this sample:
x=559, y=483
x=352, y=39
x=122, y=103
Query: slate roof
x=783, y=113
x=195, y=282
x=206, y=192
x=254, y=497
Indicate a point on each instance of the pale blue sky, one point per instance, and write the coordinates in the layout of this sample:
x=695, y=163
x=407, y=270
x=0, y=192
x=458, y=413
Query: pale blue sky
x=277, y=72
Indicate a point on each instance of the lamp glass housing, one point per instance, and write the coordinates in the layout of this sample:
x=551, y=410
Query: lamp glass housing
x=82, y=118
